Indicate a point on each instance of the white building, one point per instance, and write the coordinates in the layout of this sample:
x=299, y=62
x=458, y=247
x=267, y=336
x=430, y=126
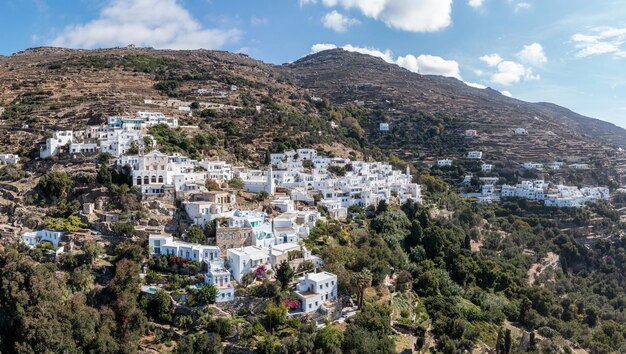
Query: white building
x=83, y=148
x=521, y=131
x=475, y=155
x=218, y=276
x=9, y=159
x=151, y=119
x=219, y=171
x=53, y=144
x=165, y=245
x=255, y=181
x=316, y=290
x=119, y=141
x=486, y=167
x=470, y=133
x=527, y=189
x=247, y=259
x=579, y=166
x=533, y=166
x=35, y=238
x=155, y=171
x=559, y=196
x=383, y=127
x=444, y=163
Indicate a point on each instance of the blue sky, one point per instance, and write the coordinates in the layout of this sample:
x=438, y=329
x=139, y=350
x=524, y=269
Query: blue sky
x=570, y=52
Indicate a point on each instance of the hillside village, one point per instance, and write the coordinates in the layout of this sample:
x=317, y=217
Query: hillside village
x=220, y=213
x=245, y=242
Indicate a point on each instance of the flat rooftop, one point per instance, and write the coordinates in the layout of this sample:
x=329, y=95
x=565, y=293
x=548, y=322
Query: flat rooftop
x=321, y=276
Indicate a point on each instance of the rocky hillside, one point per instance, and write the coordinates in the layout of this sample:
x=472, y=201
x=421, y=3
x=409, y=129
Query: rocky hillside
x=331, y=100
x=54, y=88
x=400, y=97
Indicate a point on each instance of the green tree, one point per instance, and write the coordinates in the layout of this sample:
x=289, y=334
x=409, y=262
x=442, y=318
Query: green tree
x=104, y=175
x=81, y=279
x=200, y=343
x=268, y=345
x=160, y=306
x=195, y=234
x=123, y=229
x=329, y=340
x=221, y=326
x=71, y=224
x=361, y=281
x=55, y=185
x=203, y=296
x=275, y=315
x=236, y=183
x=284, y=274
x=92, y=251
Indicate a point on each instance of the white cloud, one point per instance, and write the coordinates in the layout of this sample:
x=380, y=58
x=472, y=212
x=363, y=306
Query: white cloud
x=259, y=21
x=423, y=64
x=476, y=3
x=476, y=85
x=602, y=40
x=508, y=72
x=491, y=59
x=520, y=6
x=506, y=93
x=338, y=22
x=430, y=65
x=385, y=55
x=154, y=23
x=406, y=15
x=532, y=54
x=320, y=47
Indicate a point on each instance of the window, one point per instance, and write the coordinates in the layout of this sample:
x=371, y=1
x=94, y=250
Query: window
x=160, y=179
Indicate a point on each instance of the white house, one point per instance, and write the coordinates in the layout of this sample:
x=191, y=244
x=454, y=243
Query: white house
x=9, y=159
x=533, y=166
x=486, y=167
x=58, y=139
x=218, y=276
x=247, y=259
x=155, y=118
x=475, y=155
x=444, y=163
x=521, y=131
x=579, y=166
x=165, y=245
x=84, y=148
x=284, y=204
x=383, y=127
x=35, y=238
x=306, y=154
x=255, y=181
x=315, y=290
x=155, y=171
x=470, y=133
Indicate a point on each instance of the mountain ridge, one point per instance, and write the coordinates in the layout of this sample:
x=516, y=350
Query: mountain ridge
x=609, y=133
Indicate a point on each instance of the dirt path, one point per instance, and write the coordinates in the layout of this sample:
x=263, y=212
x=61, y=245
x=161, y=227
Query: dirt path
x=551, y=260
